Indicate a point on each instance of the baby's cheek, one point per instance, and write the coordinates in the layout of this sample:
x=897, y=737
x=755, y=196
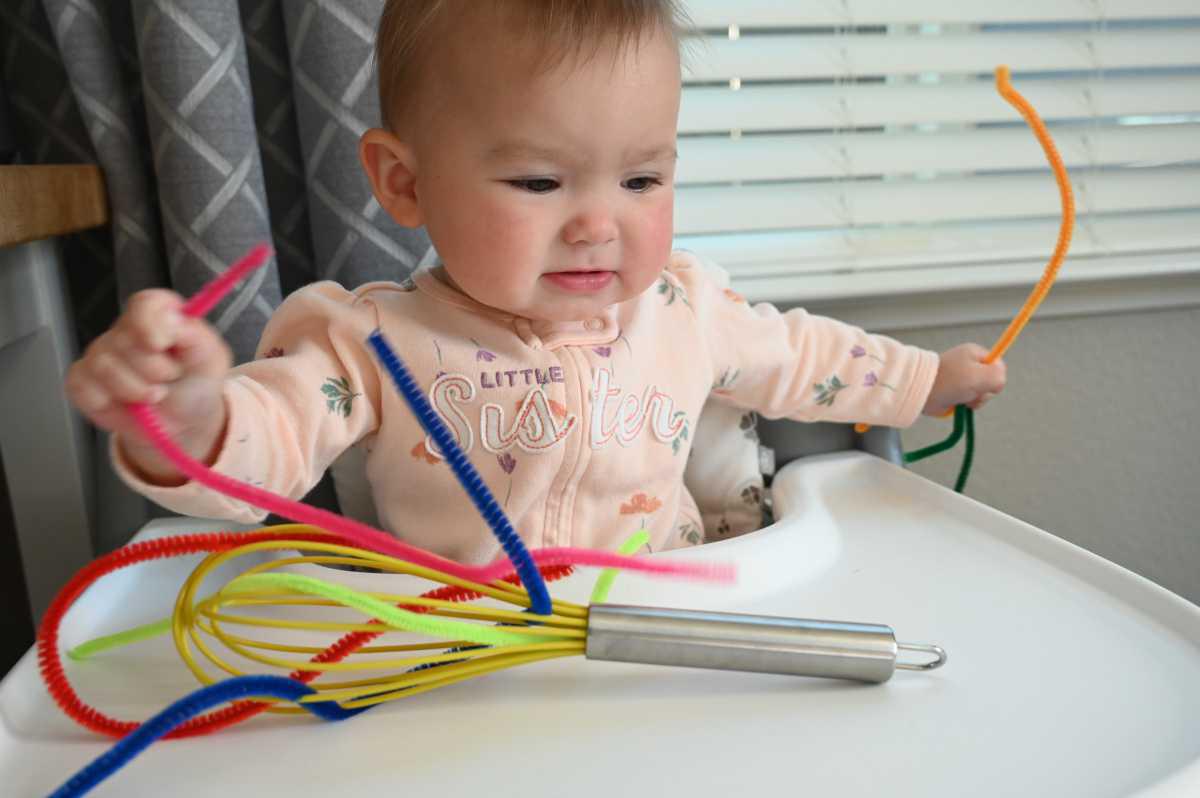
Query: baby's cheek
x=660, y=226
x=479, y=249
x=504, y=231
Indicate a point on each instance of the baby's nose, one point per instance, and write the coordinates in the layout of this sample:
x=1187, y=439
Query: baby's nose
x=593, y=226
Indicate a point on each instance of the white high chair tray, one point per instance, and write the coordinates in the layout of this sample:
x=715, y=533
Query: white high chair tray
x=1067, y=676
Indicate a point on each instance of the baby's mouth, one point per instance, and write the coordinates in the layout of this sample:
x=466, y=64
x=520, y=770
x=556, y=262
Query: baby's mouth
x=580, y=281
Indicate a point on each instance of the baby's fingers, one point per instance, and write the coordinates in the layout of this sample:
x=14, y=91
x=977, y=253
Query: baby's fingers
x=162, y=345
x=981, y=401
x=201, y=350
x=118, y=381
x=994, y=378
x=152, y=366
x=152, y=320
x=97, y=405
x=85, y=393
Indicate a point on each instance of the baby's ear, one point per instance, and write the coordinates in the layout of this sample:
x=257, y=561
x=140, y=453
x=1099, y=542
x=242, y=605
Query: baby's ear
x=392, y=169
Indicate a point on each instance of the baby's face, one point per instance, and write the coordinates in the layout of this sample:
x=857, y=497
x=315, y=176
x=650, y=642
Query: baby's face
x=550, y=195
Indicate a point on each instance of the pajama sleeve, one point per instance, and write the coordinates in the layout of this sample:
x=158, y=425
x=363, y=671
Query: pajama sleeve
x=801, y=366
x=311, y=392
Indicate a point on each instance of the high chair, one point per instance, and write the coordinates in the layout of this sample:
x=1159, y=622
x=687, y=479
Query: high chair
x=42, y=440
x=1067, y=675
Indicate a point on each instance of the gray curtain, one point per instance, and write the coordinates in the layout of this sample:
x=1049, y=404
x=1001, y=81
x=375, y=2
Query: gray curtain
x=218, y=124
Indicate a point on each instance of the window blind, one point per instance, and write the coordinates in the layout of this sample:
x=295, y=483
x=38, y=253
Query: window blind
x=837, y=148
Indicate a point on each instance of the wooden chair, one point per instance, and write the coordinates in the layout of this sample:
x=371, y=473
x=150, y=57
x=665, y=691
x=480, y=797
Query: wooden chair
x=44, y=443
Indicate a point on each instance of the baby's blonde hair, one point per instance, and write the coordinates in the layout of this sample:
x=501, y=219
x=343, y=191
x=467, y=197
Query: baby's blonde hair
x=559, y=28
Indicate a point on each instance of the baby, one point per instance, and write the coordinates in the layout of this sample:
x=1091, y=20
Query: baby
x=568, y=349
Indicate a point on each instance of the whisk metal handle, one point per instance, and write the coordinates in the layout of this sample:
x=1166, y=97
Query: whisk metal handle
x=762, y=644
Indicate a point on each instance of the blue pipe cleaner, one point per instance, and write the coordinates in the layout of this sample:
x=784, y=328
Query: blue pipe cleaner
x=244, y=687
x=468, y=477
x=237, y=688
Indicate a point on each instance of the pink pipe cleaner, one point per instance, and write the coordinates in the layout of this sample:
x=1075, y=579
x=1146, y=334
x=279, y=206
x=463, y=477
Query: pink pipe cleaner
x=207, y=297
x=363, y=534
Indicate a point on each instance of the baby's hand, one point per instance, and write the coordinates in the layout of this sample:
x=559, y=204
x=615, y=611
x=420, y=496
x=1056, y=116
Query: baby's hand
x=155, y=354
x=964, y=379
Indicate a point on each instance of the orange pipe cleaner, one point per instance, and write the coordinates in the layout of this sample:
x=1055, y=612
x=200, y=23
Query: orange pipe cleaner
x=1067, y=199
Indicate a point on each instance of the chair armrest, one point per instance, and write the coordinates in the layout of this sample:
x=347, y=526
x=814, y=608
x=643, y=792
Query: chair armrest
x=793, y=439
x=42, y=201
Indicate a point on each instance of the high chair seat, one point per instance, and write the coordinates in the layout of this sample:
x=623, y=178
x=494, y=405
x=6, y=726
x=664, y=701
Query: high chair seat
x=1067, y=676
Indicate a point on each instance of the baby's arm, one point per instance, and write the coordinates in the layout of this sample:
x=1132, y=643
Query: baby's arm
x=964, y=378
x=284, y=417
x=155, y=354
x=813, y=368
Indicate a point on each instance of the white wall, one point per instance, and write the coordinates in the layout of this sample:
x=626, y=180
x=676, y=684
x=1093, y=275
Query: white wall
x=1096, y=439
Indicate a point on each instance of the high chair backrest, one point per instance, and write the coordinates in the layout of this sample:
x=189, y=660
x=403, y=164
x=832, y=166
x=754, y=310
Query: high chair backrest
x=46, y=474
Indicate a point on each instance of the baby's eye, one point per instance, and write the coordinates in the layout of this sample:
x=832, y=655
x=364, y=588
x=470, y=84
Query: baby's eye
x=641, y=185
x=535, y=185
